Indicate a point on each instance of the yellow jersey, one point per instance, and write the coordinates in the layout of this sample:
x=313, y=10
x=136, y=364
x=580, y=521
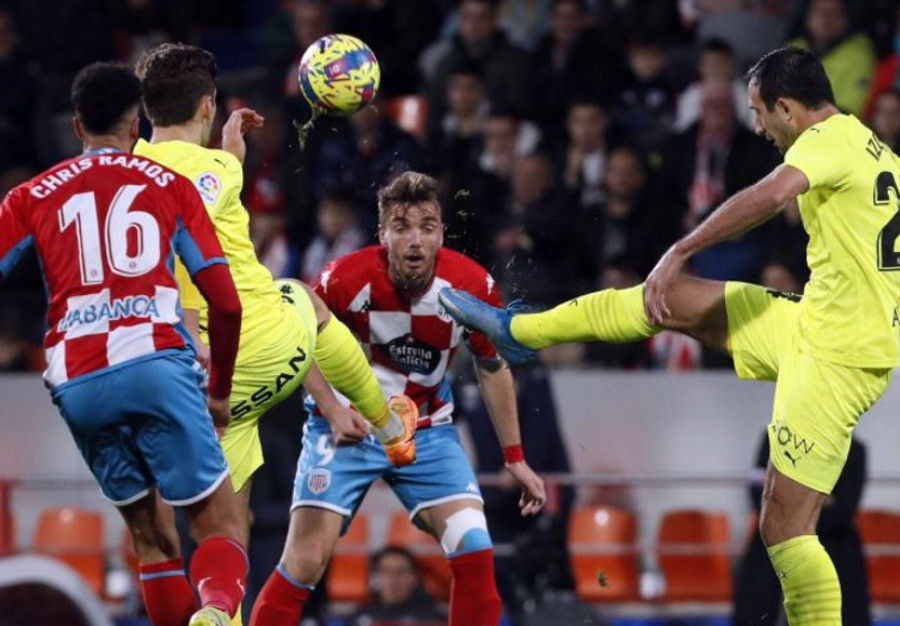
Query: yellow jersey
x=219, y=177
x=852, y=214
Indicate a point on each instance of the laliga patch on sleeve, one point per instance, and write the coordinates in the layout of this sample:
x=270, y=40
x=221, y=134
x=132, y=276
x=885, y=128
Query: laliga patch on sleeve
x=319, y=480
x=209, y=186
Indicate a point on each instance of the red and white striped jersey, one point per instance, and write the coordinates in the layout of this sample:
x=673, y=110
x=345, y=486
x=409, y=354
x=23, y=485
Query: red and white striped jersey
x=106, y=227
x=409, y=342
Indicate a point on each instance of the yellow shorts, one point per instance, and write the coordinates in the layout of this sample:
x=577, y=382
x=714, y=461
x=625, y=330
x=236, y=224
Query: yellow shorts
x=268, y=377
x=817, y=403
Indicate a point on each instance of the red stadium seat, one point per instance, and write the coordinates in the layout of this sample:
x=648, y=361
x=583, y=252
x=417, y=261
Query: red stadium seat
x=694, y=555
x=75, y=537
x=602, y=539
x=348, y=573
x=881, y=529
x=429, y=554
x=409, y=113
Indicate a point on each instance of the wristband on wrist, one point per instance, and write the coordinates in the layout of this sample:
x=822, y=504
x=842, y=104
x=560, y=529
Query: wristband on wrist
x=513, y=454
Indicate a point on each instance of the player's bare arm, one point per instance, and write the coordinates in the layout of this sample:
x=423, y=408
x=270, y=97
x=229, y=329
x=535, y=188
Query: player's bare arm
x=737, y=215
x=496, y=381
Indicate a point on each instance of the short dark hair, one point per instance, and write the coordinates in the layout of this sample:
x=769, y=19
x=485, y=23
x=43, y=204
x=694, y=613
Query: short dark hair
x=718, y=45
x=468, y=67
x=792, y=73
x=174, y=77
x=102, y=94
x=392, y=550
x=407, y=189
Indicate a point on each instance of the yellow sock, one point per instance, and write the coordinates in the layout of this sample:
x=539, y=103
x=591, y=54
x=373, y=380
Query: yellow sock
x=812, y=593
x=613, y=315
x=345, y=367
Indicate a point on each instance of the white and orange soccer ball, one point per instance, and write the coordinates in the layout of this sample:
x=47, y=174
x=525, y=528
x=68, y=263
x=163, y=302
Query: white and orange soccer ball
x=339, y=75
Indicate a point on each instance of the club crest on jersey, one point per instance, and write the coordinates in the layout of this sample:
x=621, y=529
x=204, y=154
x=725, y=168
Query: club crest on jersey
x=209, y=187
x=319, y=480
x=410, y=355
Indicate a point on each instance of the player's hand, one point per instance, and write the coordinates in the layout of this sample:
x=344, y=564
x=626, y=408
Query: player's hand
x=220, y=409
x=202, y=354
x=347, y=426
x=238, y=124
x=534, y=495
x=658, y=283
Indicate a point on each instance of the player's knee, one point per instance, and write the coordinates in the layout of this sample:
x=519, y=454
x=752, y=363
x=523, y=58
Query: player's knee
x=305, y=561
x=466, y=531
x=776, y=524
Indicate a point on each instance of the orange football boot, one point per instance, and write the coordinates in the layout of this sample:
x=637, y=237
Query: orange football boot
x=402, y=451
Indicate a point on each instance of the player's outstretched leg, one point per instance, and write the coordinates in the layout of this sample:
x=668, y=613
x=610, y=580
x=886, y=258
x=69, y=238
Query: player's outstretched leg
x=612, y=315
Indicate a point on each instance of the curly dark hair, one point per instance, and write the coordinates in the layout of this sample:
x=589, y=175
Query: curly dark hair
x=102, y=94
x=407, y=189
x=174, y=77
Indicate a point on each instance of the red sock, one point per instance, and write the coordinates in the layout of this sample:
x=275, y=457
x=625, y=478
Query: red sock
x=280, y=601
x=474, y=600
x=168, y=596
x=219, y=571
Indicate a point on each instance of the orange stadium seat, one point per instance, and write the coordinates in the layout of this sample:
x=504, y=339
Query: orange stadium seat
x=348, y=573
x=881, y=529
x=429, y=554
x=602, y=539
x=694, y=554
x=409, y=113
x=75, y=537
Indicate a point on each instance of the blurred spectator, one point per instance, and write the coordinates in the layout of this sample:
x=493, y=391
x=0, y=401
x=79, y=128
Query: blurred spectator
x=645, y=105
x=583, y=163
x=717, y=64
x=17, y=98
x=399, y=595
x=309, y=20
x=479, y=190
x=265, y=195
x=757, y=592
x=398, y=31
x=707, y=163
x=533, y=249
x=627, y=224
x=752, y=27
x=786, y=268
x=849, y=58
x=338, y=234
x=886, y=118
x=461, y=130
x=360, y=155
x=479, y=40
x=885, y=76
x=572, y=59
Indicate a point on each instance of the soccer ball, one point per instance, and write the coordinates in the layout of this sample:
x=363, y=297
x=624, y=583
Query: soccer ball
x=339, y=75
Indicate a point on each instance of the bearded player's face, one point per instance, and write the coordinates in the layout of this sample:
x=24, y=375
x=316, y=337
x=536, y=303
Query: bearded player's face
x=413, y=235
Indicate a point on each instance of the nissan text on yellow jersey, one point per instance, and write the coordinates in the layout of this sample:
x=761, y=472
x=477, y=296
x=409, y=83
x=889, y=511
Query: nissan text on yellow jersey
x=219, y=177
x=852, y=214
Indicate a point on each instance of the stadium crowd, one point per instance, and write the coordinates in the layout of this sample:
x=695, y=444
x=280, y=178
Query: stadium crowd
x=575, y=139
